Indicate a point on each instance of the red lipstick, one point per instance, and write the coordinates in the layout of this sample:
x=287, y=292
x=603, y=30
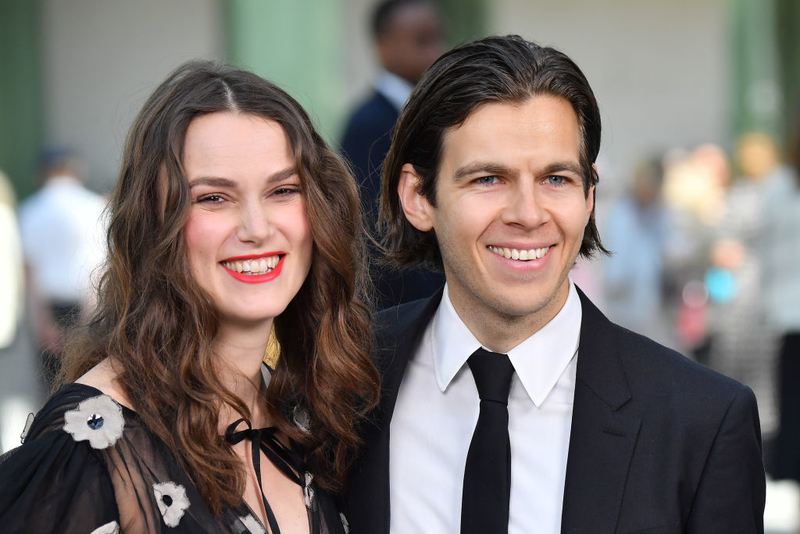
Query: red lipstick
x=256, y=278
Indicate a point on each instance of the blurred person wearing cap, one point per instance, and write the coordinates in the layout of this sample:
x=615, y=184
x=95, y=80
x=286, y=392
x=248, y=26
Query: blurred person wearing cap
x=63, y=233
x=408, y=38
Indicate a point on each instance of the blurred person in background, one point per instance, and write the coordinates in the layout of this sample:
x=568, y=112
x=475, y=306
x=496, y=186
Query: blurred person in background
x=408, y=37
x=779, y=251
x=742, y=347
x=636, y=232
x=231, y=215
x=11, y=265
x=695, y=184
x=63, y=234
x=18, y=392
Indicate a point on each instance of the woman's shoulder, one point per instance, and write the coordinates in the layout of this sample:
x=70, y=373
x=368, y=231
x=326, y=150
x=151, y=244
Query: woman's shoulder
x=83, y=412
x=104, y=378
x=91, y=463
x=59, y=474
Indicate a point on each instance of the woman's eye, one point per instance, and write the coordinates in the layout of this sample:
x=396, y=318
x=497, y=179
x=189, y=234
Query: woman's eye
x=285, y=191
x=210, y=199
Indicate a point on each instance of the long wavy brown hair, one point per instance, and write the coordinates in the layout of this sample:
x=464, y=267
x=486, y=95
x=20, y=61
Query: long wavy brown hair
x=159, y=325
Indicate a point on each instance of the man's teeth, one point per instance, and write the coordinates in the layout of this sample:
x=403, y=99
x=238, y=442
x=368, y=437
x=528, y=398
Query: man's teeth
x=523, y=255
x=254, y=267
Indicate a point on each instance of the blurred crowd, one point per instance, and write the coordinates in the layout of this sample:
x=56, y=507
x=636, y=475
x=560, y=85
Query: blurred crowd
x=53, y=245
x=704, y=255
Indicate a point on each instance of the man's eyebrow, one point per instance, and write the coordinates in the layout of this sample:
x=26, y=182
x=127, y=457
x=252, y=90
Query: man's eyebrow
x=483, y=167
x=563, y=166
x=215, y=181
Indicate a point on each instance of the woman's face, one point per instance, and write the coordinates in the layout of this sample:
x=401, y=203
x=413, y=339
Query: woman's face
x=248, y=239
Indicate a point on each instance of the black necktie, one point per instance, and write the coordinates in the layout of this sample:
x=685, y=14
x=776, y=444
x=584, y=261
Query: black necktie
x=487, y=476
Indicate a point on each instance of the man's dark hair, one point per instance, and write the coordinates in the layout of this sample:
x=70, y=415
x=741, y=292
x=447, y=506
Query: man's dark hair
x=494, y=69
x=385, y=12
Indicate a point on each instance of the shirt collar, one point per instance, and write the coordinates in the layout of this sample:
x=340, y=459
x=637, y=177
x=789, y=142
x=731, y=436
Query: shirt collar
x=394, y=88
x=539, y=361
x=62, y=181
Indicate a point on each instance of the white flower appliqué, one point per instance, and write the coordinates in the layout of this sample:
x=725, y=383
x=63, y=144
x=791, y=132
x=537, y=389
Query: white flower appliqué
x=97, y=419
x=301, y=419
x=308, y=491
x=108, y=528
x=253, y=526
x=172, y=501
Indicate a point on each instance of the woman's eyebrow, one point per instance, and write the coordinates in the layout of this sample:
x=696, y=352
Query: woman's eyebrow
x=212, y=181
x=215, y=181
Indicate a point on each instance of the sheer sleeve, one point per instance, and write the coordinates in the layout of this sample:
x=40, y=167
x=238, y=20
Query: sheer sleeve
x=91, y=466
x=55, y=483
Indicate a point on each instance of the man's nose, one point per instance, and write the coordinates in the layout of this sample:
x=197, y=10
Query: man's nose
x=524, y=207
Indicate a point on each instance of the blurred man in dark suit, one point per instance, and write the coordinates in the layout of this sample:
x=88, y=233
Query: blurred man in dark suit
x=408, y=39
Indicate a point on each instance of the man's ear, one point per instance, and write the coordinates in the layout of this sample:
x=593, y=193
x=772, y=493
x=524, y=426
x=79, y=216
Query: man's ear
x=418, y=210
x=590, y=197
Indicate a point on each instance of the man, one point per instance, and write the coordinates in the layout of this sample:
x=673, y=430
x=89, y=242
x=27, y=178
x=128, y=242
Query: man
x=63, y=241
x=408, y=38
x=491, y=175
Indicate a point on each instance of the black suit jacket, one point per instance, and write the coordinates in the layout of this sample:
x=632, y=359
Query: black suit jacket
x=658, y=445
x=365, y=143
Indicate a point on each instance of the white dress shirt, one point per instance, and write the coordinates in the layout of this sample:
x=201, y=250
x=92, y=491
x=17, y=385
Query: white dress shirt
x=437, y=410
x=63, y=231
x=394, y=88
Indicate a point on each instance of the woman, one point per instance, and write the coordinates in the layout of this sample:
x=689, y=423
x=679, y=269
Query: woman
x=231, y=217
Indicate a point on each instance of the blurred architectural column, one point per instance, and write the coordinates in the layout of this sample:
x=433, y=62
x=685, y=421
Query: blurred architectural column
x=788, y=17
x=758, y=96
x=465, y=20
x=20, y=92
x=297, y=45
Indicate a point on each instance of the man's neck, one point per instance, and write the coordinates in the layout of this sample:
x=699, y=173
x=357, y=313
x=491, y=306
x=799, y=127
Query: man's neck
x=394, y=88
x=500, y=332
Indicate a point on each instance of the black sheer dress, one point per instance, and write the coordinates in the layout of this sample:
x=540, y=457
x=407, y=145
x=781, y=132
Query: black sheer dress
x=90, y=466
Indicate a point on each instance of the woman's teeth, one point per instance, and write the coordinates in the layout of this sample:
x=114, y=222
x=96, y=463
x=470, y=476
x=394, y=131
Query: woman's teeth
x=253, y=267
x=522, y=255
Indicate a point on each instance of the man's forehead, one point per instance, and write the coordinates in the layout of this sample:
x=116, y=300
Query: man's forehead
x=491, y=114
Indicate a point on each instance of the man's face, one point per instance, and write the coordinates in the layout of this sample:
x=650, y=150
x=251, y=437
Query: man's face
x=412, y=42
x=510, y=211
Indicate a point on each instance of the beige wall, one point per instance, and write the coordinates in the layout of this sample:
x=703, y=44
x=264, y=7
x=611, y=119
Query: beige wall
x=659, y=69
x=102, y=58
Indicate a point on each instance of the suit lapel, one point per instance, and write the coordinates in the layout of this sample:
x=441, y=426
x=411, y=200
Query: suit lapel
x=398, y=332
x=604, y=430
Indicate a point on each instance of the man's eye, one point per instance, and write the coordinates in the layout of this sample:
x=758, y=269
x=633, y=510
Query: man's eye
x=556, y=180
x=486, y=180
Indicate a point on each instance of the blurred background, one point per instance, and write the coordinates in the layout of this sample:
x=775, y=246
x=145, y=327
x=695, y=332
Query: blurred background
x=697, y=168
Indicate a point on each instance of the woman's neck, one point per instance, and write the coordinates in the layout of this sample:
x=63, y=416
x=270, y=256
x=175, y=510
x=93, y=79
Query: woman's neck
x=241, y=353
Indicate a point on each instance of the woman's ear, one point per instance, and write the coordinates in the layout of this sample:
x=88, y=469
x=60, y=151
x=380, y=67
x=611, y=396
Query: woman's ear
x=418, y=210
